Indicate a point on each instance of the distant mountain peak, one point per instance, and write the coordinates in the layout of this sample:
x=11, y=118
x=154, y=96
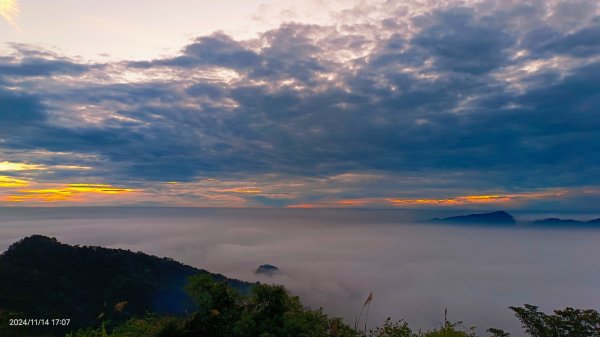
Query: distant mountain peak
x=496, y=217
x=566, y=222
x=557, y=221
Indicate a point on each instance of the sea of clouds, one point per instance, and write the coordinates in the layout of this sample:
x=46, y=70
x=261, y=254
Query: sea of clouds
x=335, y=258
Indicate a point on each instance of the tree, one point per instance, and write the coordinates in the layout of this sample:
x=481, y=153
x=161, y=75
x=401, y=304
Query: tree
x=564, y=323
x=498, y=332
x=393, y=329
x=218, y=307
x=269, y=311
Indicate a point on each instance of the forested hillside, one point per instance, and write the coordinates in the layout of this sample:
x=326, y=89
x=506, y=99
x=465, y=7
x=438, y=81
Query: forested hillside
x=43, y=278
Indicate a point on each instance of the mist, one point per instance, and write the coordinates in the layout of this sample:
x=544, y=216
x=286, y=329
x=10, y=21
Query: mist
x=335, y=258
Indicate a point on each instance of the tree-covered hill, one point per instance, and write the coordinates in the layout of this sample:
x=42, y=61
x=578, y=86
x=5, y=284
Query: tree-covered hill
x=43, y=278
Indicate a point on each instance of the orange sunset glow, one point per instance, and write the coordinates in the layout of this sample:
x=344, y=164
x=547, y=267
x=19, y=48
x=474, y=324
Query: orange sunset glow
x=12, y=182
x=64, y=193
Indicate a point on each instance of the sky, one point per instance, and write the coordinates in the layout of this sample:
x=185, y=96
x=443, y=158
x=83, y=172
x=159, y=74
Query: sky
x=301, y=104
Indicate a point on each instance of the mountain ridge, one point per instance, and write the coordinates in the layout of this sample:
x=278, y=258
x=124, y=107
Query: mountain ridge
x=42, y=277
x=497, y=217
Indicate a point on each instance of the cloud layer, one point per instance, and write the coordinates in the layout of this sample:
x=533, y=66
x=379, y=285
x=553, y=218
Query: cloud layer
x=422, y=99
x=334, y=258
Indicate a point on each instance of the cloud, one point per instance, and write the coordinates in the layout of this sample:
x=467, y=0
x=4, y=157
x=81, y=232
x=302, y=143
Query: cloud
x=52, y=193
x=6, y=181
x=460, y=41
x=216, y=50
x=8, y=166
x=480, y=98
x=29, y=61
x=19, y=110
x=335, y=258
x=41, y=67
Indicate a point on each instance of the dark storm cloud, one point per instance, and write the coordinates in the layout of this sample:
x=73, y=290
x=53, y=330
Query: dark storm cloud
x=581, y=43
x=41, y=67
x=460, y=41
x=28, y=62
x=462, y=91
x=288, y=53
x=215, y=50
x=19, y=110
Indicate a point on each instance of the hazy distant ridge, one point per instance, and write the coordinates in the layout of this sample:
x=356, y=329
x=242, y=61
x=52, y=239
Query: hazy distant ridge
x=498, y=217
x=502, y=217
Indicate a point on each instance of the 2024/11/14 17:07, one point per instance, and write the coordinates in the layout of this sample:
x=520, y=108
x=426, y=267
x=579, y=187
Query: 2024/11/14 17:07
x=39, y=322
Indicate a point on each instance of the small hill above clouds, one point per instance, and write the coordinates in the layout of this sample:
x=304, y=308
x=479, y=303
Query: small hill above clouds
x=504, y=218
x=498, y=217
x=567, y=222
x=556, y=221
x=267, y=269
x=43, y=278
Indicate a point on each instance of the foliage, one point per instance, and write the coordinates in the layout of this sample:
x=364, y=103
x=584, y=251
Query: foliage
x=269, y=311
x=151, y=326
x=498, y=332
x=449, y=329
x=392, y=329
x=564, y=323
